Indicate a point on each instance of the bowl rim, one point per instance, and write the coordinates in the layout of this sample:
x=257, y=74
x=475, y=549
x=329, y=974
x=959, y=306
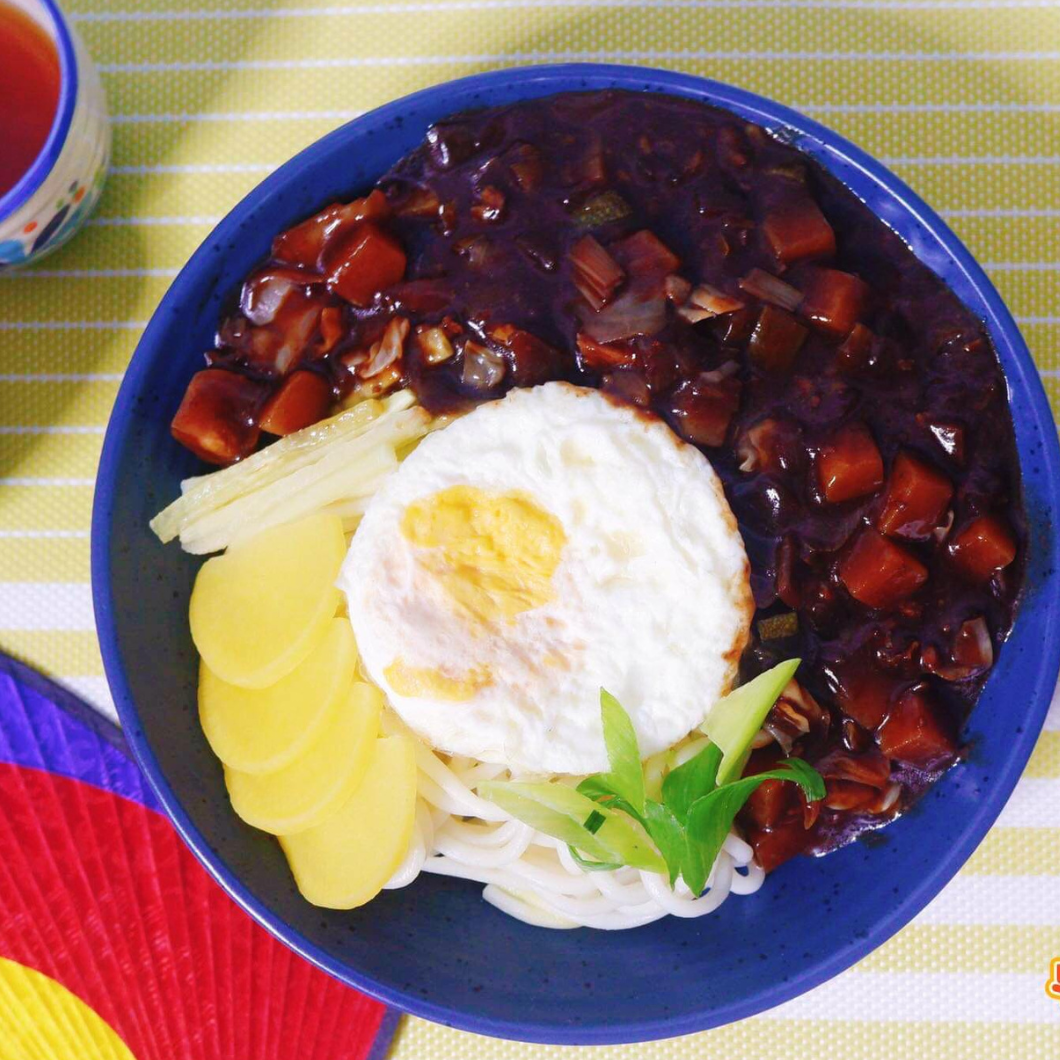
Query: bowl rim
x=1004, y=332
x=30, y=182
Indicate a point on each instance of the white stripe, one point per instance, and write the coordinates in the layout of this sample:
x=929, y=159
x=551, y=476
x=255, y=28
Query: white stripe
x=412, y=6
x=1034, y=804
x=44, y=480
x=46, y=605
x=121, y=222
x=238, y=116
x=62, y=377
x=968, y=899
x=994, y=997
x=569, y=56
x=52, y=429
x=83, y=274
x=202, y=167
x=1037, y=320
x=973, y=160
x=71, y=325
x=94, y=691
x=45, y=535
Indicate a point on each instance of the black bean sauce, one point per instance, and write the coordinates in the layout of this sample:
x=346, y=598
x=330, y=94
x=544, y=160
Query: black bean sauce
x=493, y=212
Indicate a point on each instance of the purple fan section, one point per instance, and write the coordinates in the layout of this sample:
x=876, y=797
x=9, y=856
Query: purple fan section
x=43, y=726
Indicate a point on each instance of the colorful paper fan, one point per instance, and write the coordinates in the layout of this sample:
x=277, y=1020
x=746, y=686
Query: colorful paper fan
x=114, y=942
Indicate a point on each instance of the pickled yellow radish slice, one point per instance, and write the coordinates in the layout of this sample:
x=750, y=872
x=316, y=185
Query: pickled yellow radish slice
x=260, y=730
x=317, y=783
x=257, y=611
x=344, y=862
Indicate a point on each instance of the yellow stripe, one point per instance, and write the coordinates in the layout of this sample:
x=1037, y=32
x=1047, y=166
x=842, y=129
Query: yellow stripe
x=45, y=508
x=235, y=140
x=31, y=402
x=852, y=81
x=86, y=299
x=845, y=1037
x=1031, y=292
x=61, y=652
x=176, y=195
x=966, y=948
x=48, y=455
x=43, y=559
x=1010, y=238
x=1017, y=852
x=120, y=247
x=77, y=350
x=521, y=29
x=1045, y=762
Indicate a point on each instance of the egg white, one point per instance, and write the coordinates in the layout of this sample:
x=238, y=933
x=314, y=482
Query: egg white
x=651, y=594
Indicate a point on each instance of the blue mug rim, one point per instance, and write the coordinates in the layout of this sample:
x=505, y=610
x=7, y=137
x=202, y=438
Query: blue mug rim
x=1003, y=330
x=30, y=182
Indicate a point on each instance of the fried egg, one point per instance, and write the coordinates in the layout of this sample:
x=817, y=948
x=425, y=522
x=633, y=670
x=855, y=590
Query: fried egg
x=540, y=548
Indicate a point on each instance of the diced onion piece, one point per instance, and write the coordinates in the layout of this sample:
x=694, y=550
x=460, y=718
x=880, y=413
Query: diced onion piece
x=596, y=274
x=640, y=310
x=435, y=345
x=767, y=288
x=389, y=348
x=677, y=289
x=644, y=253
x=482, y=369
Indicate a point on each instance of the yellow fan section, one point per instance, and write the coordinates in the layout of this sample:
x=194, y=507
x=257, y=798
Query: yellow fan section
x=41, y=1020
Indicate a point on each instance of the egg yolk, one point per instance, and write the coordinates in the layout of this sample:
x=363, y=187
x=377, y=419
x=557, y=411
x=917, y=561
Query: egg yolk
x=494, y=554
x=424, y=681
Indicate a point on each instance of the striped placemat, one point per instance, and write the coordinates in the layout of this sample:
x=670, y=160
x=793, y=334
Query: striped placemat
x=960, y=97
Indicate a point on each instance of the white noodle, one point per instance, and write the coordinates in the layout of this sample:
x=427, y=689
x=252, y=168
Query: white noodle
x=530, y=875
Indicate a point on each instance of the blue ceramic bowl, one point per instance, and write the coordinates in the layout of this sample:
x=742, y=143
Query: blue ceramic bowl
x=437, y=949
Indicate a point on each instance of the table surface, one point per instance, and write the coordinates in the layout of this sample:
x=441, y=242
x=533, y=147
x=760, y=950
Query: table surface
x=960, y=97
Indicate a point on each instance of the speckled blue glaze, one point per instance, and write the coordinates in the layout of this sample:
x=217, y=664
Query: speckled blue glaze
x=436, y=949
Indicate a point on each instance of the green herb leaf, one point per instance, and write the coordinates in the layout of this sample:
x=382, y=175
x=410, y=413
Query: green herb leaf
x=562, y=812
x=710, y=817
x=692, y=780
x=594, y=866
x=626, y=777
x=735, y=719
x=668, y=834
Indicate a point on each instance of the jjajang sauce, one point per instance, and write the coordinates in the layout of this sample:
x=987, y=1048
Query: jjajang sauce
x=710, y=273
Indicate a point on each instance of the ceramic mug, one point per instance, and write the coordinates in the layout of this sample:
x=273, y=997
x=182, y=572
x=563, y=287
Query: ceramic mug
x=59, y=190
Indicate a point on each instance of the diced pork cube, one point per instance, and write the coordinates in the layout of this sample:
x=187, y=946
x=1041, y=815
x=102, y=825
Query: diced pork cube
x=916, y=498
x=878, y=573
